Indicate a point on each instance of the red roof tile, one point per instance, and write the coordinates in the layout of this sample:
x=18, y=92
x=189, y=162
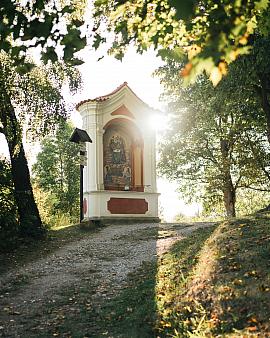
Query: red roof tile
x=107, y=96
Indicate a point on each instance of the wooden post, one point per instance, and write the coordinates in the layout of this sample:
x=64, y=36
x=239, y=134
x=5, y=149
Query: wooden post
x=81, y=193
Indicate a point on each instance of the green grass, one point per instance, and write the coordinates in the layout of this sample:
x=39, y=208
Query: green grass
x=224, y=289
x=175, y=273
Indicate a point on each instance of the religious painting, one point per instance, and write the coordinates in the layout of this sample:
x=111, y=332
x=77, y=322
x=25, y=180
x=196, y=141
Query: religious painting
x=118, y=150
x=107, y=174
x=117, y=160
x=127, y=175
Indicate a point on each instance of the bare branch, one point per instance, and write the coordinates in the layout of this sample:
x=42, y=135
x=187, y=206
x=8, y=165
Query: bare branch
x=238, y=182
x=254, y=188
x=259, y=161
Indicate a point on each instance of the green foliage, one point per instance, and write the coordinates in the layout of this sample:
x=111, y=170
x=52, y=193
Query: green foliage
x=212, y=33
x=42, y=24
x=9, y=226
x=52, y=215
x=33, y=101
x=37, y=95
x=6, y=192
x=217, y=140
x=57, y=176
x=250, y=201
x=31, y=95
x=45, y=201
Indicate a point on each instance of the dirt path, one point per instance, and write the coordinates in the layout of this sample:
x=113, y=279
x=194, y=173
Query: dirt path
x=37, y=297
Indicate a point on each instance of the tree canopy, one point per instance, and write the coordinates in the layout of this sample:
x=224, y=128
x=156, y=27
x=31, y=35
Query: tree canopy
x=212, y=33
x=53, y=27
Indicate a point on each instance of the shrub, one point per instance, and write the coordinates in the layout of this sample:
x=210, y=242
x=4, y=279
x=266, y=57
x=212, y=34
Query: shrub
x=9, y=226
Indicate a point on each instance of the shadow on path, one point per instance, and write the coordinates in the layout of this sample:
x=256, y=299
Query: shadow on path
x=98, y=286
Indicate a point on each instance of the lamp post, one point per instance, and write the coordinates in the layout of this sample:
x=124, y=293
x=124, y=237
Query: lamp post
x=80, y=137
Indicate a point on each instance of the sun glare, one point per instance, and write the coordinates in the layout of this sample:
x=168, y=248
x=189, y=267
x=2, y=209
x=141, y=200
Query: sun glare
x=158, y=122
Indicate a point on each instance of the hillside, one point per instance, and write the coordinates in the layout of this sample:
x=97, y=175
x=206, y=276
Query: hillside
x=222, y=289
x=213, y=283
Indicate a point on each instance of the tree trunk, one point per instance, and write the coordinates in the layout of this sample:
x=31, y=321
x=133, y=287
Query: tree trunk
x=229, y=198
x=30, y=222
x=229, y=194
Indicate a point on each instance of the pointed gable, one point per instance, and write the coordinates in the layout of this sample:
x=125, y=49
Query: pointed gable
x=123, y=110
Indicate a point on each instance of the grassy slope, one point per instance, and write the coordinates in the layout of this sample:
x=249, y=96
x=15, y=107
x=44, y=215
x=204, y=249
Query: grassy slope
x=214, y=283
x=227, y=292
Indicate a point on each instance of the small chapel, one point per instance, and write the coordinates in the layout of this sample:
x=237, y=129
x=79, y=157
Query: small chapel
x=119, y=180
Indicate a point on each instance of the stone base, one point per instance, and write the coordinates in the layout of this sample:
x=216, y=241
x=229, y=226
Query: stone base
x=102, y=221
x=107, y=204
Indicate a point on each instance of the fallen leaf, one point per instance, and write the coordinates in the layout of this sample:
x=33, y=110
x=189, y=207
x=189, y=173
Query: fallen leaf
x=252, y=328
x=252, y=320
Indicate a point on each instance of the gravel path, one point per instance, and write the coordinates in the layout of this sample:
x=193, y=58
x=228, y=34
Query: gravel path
x=102, y=260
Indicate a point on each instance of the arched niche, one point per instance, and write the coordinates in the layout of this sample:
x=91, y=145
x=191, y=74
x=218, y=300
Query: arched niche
x=123, y=156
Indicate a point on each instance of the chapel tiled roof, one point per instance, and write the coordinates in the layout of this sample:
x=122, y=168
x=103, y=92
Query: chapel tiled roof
x=107, y=96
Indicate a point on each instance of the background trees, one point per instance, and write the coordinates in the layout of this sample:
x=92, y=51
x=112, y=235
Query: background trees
x=32, y=94
x=252, y=79
x=32, y=100
x=213, y=38
x=217, y=141
x=57, y=173
x=211, y=33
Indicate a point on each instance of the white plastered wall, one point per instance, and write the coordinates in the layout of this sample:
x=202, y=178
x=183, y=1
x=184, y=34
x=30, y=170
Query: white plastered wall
x=95, y=115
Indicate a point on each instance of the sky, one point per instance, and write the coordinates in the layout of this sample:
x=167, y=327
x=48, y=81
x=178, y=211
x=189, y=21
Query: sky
x=102, y=77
